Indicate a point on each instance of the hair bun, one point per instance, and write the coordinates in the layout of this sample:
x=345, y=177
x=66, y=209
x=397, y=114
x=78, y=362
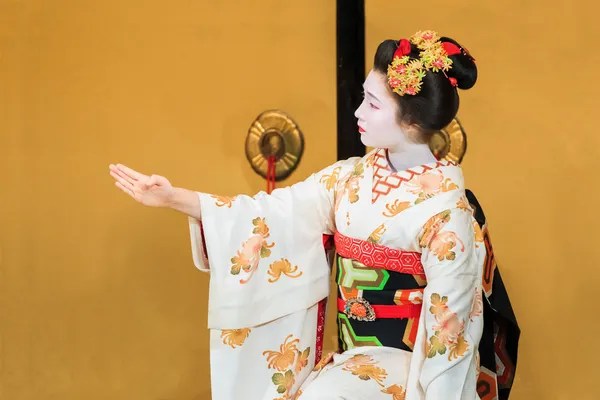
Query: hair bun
x=463, y=68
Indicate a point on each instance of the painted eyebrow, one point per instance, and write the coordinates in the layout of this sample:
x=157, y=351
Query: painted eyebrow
x=371, y=94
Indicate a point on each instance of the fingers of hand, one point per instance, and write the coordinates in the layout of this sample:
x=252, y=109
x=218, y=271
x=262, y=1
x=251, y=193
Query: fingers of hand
x=129, y=172
x=153, y=180
x=123, y=188
x=126, y=177
x=122, y=181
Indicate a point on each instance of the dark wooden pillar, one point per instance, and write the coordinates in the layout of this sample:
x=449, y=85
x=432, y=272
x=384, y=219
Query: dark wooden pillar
x=350, y=45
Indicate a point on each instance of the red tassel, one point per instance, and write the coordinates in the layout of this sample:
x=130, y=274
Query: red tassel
x=270, y=174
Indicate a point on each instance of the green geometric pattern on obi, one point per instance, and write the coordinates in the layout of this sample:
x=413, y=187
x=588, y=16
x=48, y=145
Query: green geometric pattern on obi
x=349, y=339
x=353, y=274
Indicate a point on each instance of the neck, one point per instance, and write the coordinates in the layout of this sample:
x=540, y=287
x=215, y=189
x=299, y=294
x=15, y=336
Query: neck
x=410, y=155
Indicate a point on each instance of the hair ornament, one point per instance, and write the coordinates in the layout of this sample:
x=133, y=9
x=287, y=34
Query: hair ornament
x=405, y=75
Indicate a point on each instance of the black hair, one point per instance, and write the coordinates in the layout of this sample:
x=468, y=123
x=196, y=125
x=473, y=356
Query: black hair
x=436, y=104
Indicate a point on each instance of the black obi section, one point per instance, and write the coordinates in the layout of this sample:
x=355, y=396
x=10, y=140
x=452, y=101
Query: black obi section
x=379, y=287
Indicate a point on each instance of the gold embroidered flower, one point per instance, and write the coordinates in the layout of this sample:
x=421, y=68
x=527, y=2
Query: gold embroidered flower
x=261, y=227
x=281, y=360
x=360, y=359
x=478, y=233
x=287, y=357
x=463, y=204
x=255, y=248
x=396, y=391
x=433, y=226
x=302, y=360
x=448, y=185
x=238, y=262
x=441, y=244
x=459, y=348
x=359, y=169
x=370, y=161
x=376, y=235
x=438, y=305
x=284, y=383
x=224, y=201
x=282, y=266
x=448, y=330
x=353, y=183
x=349, y=185
x=368, y=371
x=365, y=368
x=247, y=258
x=329, y=181
x=234, y=337
x=396, y=208
x=434, y=347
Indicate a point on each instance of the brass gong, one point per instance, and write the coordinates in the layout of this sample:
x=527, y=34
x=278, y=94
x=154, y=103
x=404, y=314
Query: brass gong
x=274, y=133
x=450, y=143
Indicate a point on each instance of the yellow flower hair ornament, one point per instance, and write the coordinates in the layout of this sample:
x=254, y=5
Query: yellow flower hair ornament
x=405, y=75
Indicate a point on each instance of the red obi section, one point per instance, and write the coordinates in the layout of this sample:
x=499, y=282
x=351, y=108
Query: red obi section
x=377, y=256
x=363, y=311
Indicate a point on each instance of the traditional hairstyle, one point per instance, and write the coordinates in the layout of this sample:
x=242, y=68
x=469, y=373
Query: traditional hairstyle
x=424, y=74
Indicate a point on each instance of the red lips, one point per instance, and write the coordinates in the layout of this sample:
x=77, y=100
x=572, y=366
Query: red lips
x=361, y=130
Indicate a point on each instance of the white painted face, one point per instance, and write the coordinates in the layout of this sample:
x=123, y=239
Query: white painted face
x=377, y=116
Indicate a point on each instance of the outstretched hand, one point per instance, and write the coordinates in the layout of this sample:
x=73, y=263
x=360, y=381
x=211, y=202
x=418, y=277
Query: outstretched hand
x=153, y=191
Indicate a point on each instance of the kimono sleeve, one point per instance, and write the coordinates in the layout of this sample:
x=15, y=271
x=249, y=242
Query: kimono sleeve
x=265, y=253
x=452, y=311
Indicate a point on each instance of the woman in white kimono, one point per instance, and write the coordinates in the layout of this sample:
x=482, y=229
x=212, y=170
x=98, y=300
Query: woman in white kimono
x=412, y=265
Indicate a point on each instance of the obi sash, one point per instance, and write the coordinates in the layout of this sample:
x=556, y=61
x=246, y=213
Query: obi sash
x=380, y=294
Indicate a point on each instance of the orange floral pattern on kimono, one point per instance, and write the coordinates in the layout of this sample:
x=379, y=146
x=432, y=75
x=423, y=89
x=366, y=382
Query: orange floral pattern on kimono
x=425, y=186
x=288, y=361
x=349, y=185
x=478, y=234
x=329, y=181
x=396, y=208
x=441, y=244
x=365, y=368
x=477, y=309
x=235, y=337
x=463, y=204
x=376, y=235
x=370, y=161
x=448, y=331
x=255, y=248
x=429, y=185
x=284, y=267
x=224, y=201
x=396, y=391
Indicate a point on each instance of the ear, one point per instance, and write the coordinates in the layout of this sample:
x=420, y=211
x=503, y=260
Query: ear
x=409, y=128
x=414, y=132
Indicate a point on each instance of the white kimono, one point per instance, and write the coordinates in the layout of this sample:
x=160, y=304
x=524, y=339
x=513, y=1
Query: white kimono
x=269, y=274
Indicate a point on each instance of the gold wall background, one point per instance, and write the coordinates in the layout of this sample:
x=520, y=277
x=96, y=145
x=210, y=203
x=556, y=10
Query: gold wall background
x=98, y=296
x=532, y=161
